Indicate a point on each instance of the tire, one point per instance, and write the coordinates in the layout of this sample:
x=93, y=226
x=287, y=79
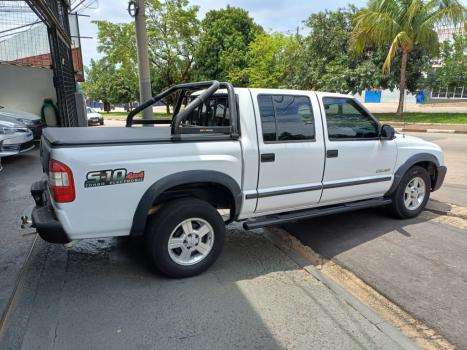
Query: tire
x=194, y=251
x=101, y=122
x=407, y=202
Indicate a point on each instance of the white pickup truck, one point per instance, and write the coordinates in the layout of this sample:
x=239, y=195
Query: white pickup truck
x=263, y=156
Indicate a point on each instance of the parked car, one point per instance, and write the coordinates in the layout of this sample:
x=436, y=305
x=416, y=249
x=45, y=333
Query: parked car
x=266, y=156
x=94, y=118
x=15, y=137
x=32, y=121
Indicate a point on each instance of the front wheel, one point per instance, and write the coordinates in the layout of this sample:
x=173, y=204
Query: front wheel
x=412, y=194
x=185, y=237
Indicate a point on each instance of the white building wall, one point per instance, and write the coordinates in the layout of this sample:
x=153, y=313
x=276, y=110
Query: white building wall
x=25, y=88
x=388, y=96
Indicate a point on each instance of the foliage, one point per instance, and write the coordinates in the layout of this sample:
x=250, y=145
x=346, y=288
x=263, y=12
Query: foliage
x=223, y=45
x=401, y=26
x=453, y=70
x=327, y=63
x=270, y=61
x=173, y=30
x=118, y=44
x=343, y=51
x=117, y=41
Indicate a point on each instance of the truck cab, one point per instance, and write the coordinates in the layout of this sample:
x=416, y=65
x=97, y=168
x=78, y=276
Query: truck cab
x=264, y=156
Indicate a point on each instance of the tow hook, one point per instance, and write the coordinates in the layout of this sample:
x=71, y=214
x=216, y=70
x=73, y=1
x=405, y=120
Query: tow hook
x=25, y=222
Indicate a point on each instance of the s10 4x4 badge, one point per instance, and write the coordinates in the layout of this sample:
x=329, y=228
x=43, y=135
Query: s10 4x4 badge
x=112, y=177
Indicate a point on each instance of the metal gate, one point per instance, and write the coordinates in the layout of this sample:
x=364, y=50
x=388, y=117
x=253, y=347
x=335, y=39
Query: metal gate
x=54, y=14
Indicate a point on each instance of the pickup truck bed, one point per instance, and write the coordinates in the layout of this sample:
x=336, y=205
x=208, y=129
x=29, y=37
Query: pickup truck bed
x=65, y=137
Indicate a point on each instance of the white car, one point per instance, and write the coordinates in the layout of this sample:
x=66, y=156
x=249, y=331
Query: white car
x=264, y=156
x=15, y=138
x=32, y=121
x=94, y=118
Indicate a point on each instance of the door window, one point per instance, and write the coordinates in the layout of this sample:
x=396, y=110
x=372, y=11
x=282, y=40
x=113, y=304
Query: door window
x=347, y=120
x=286, y=118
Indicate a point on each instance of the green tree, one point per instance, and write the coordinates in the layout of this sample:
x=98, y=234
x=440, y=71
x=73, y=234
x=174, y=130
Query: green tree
x=403, y=26
x=270, y=61
x=109, y=84
x=223, y=46
x=99, y=81
x=451, y=70
x=173, y=30
x=327, y=63
x=117, y=42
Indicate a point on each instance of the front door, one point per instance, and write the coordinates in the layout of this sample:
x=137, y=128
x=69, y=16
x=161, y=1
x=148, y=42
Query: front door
x=291, y=151
x=358, y=164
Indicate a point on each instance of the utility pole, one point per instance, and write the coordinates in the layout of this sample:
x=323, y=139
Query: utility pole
x=136, y=10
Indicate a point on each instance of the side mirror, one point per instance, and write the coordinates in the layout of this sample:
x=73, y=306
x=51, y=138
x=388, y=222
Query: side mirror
x=387, y=132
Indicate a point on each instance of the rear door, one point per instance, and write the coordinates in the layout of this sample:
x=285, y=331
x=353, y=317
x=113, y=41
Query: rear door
x=291, y=150
x=359, y=164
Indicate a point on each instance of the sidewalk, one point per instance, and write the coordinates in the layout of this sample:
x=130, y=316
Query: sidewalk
x=430, y=128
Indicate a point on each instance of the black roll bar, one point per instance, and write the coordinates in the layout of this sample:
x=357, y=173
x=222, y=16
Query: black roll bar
x=210, y=88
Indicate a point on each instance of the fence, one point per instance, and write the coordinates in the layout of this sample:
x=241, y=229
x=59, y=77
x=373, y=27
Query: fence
x=458, y=93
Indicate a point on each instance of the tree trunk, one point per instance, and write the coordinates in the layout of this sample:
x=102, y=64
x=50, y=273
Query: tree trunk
x=167, y=108
x=402, y=85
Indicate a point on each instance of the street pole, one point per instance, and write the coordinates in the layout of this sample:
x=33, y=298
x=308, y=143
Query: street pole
x=143, y=59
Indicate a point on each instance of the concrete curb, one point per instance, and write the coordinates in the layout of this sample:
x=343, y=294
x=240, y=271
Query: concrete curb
x=445, y=209
x=433, y=131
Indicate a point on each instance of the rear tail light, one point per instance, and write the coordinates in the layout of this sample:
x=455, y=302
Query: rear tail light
x=61, y=183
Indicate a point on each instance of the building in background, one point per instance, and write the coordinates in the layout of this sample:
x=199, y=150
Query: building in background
x=40, y=56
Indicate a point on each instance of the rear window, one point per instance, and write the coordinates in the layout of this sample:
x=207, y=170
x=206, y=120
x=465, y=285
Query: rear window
x=286, y=118
x=213, y=112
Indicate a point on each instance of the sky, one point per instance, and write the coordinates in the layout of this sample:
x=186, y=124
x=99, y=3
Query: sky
x=272, y=15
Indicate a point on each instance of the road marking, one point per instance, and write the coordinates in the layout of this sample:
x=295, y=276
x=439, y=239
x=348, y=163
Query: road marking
x=384, y=314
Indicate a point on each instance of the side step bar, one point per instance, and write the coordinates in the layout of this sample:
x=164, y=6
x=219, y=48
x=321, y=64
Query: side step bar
x=312, y=213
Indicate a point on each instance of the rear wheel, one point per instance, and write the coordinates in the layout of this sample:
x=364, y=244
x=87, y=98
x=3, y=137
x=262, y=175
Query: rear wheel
x=412, y=194
x=185, y=237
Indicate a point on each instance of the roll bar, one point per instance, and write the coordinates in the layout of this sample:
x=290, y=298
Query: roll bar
x=210, y=87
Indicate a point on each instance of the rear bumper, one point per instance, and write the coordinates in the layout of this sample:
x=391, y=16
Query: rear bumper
x=441, y=174
x=43, y=216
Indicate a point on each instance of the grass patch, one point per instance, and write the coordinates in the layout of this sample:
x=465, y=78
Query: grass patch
x=123, y=115
x=432, y=118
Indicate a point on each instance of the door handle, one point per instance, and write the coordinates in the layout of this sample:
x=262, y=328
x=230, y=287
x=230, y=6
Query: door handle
x=268, y=157
x=332, y=153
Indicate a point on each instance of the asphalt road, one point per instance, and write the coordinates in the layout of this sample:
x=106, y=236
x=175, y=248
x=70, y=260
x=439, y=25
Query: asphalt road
x=454, y=189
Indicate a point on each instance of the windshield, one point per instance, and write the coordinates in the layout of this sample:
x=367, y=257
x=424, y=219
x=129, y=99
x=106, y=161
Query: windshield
x=90, y=110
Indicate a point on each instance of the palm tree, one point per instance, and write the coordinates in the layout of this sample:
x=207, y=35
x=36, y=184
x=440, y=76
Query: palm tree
x=404, y=24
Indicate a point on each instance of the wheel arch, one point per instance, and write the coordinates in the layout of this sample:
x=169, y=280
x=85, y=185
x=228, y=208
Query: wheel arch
x=425, y=160
x=196, y=183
